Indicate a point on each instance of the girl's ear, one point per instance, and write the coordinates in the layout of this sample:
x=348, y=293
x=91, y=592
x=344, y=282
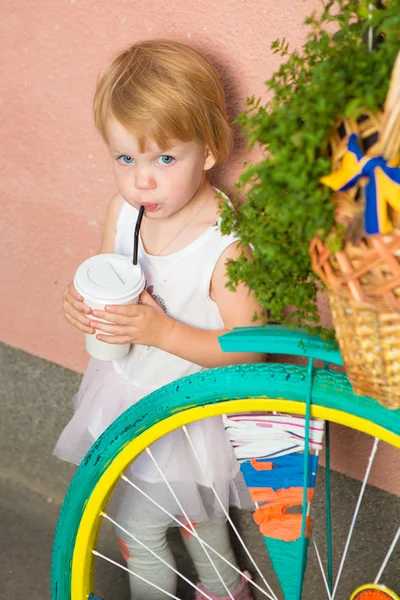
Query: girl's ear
x=209, y=159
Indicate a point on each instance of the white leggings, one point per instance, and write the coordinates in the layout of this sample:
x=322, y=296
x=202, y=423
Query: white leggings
x=153, y=533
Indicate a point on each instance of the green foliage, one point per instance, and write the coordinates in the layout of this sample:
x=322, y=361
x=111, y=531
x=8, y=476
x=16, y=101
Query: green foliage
x=334, y=75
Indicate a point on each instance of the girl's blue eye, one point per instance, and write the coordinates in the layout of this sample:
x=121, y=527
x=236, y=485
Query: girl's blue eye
x=165, y=159
x=125, y=159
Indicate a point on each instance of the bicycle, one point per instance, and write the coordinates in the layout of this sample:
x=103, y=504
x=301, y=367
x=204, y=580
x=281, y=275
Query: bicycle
x=269, y=390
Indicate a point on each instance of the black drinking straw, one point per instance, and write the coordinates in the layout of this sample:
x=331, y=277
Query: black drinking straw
x=136, y=236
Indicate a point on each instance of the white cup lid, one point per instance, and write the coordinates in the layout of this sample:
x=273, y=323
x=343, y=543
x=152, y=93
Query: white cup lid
x=109, y=278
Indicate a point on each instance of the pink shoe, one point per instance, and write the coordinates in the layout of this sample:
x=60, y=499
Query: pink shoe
x=242, y=593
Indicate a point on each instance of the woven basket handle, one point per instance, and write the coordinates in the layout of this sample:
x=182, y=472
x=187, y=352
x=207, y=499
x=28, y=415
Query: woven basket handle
x=389, y=143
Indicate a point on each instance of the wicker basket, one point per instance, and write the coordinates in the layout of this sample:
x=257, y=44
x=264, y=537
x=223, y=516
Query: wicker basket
x=363, y=279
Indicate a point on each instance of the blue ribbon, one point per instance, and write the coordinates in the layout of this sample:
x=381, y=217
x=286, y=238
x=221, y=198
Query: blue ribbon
x=381, y=190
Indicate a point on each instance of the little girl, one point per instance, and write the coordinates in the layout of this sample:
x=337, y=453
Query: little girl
x=161, y=111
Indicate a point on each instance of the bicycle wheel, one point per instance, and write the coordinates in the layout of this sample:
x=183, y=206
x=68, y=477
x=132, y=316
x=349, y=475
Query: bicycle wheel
x=254, y=389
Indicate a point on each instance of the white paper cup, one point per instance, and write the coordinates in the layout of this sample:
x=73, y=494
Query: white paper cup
x=108, y=279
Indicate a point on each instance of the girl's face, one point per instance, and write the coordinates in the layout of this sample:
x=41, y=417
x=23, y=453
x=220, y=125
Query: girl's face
x=163, y=181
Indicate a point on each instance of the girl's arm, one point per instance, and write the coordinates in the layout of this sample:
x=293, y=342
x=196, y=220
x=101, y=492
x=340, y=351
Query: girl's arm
x=110, y=224
x=237, y=310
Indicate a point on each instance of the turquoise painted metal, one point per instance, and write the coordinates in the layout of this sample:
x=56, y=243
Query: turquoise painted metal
x=284, y=557
x=278, y=339
x=303, y=540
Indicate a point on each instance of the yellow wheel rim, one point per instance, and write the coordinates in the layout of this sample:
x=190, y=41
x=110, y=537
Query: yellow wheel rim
x=82, y=561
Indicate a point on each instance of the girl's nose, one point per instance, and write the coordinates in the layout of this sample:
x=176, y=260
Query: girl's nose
x=144, y=179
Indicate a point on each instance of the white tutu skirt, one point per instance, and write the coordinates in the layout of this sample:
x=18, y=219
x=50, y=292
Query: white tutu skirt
x=103, y=396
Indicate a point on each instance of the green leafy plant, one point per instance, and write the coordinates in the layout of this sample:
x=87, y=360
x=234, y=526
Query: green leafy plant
x=334, y=75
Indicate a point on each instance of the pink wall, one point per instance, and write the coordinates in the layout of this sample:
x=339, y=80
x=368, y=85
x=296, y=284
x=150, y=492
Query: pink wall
x=56, y=179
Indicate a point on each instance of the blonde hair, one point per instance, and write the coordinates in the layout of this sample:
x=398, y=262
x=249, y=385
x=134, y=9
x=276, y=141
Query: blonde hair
x=165, y=90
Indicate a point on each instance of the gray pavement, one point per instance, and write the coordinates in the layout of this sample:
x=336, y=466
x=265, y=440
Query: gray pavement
x=36, y=402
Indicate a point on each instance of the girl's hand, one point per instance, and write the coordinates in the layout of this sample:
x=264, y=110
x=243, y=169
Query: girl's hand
x=145, y=324
x=75, y=310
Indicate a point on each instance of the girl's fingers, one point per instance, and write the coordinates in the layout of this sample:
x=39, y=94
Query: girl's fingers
x=111, y=328
x=72, y=297
x=72, y=290
x=76, y=315
x=79, y=306
x=81, y=326
x=75, y=310
x=114, y=339
x=112, y=317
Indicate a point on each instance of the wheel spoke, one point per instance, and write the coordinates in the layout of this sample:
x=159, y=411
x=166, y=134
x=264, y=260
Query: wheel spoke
x=191, y=526
x=306, y=506
x=321, y=568
x=128, y=533
x=357, y=509
x=227, y=514
x=328, y=505
x=186, y=528
x=115, y=563
x=388, y=555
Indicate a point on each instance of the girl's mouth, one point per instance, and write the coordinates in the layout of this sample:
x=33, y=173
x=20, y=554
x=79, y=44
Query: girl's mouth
x=150, y=207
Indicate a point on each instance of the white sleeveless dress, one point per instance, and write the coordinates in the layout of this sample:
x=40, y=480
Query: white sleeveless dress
x=180, y=283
